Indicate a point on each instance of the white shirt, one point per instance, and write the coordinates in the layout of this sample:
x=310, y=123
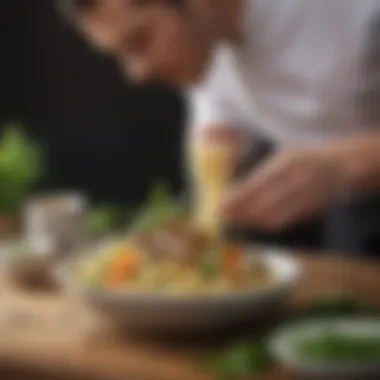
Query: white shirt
x=294, y=78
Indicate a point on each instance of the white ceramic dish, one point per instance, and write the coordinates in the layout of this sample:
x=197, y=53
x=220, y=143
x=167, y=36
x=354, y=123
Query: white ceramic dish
x=55, y=222
x=160, y=311
x=282, y=346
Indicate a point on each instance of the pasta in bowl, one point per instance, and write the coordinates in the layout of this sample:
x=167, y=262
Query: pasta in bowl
x=176, y=259
x=174, y=277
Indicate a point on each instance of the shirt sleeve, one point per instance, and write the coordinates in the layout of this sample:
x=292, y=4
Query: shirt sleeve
x=212, y=110
x=368, y=96
x=209, y=109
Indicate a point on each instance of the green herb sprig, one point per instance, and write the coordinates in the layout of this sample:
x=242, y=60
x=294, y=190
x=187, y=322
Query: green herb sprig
x=161, y=207
x=21, y=167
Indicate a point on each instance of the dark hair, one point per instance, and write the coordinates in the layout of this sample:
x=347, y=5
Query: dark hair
x=73, y=7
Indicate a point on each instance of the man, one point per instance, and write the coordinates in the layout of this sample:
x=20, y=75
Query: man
x=301, y=74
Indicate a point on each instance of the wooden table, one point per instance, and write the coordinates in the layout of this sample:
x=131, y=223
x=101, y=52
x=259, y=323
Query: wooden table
x=56, y=336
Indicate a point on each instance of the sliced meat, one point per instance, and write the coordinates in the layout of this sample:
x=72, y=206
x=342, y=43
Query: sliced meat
x=179, y=241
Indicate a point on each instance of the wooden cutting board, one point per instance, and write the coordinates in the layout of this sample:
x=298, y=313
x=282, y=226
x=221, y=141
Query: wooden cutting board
x=55, y=335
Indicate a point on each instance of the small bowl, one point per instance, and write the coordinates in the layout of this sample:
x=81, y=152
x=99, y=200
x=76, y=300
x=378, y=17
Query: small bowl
x=282, y=347
x=27, y=269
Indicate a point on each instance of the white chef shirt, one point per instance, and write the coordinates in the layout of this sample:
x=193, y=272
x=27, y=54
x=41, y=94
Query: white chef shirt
x=294, y=77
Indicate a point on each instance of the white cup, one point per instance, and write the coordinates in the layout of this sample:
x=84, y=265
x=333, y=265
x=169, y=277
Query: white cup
x=55, y=223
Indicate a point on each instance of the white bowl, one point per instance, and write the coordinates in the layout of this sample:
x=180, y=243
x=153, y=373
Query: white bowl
x=282, y=347
x=162, y=311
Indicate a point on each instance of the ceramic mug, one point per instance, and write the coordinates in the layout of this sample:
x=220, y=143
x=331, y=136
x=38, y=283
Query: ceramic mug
x=55, y=223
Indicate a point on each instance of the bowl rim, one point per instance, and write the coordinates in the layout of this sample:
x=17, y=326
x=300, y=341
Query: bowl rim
x=64, y=276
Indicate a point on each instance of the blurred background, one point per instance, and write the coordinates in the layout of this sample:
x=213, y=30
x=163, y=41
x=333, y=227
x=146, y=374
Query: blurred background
x=100, y=133
x=106, y=137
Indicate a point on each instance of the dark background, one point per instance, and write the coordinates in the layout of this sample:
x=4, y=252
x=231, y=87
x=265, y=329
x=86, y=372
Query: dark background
x=102, y=134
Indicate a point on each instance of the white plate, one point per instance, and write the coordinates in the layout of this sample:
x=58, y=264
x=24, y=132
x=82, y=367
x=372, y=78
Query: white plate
x=282, y=346
x=201, y=311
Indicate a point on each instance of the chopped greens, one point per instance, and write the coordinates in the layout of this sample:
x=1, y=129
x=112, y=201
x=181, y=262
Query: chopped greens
x=243, y=359
x=340, y=348
x=252, y=358
x=210, y=265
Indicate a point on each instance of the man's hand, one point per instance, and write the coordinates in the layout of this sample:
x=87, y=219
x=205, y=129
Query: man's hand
x=292, y=186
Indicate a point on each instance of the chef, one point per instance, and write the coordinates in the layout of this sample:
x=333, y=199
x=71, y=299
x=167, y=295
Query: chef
x=303, y=75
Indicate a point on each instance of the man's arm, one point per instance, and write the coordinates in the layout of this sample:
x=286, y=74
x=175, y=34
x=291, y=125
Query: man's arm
x=358, y=159
x=298, y=184
x=360, y=155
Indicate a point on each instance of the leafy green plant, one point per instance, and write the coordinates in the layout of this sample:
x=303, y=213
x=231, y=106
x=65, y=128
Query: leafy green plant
x=160, y=207
x=105, y=218
x=241, y=360
x=21, y=166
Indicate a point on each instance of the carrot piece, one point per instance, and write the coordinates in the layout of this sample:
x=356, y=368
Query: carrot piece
x=230, y=260
x=121, y=268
